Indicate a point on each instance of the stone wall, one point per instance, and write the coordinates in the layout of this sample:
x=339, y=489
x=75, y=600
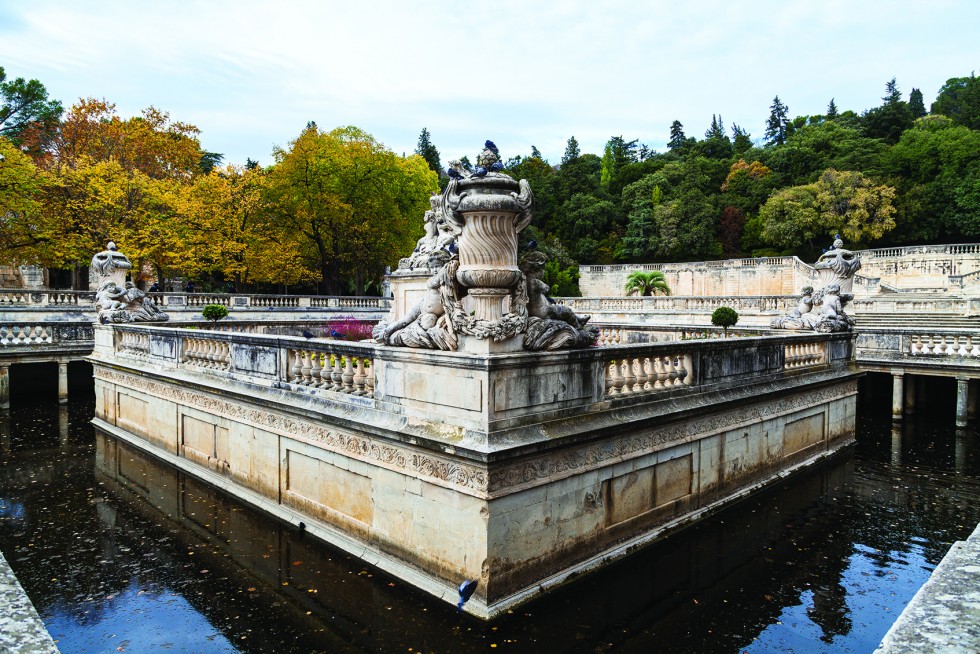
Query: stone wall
x=914, y=267
x=517, y=470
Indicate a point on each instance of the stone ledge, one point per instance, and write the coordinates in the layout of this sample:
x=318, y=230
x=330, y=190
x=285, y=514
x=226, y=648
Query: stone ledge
x=944, y=616
x=21, y=629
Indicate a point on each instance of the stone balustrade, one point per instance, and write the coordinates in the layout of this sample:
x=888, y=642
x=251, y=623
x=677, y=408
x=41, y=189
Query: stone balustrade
x=648, y=373
x=60, y=298
x=323, y=370
x=943, y=352
x=327, y=368
x=254, y=353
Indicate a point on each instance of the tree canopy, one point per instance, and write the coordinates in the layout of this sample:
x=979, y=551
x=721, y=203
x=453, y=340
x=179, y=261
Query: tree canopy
x=335, y=207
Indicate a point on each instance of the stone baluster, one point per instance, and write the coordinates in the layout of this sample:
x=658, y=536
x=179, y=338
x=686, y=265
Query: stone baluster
x=369, y=380
x=359, y=377
x=348, y=375
x=305, y=369
x=316, y=370
x=963, y=341
x=683, y=368
x=336, y=374
x=927, y=345
x=295, y=368
x=915, y=345
x=661, y=372
x=671, y=368
x=950, y=346
x=649, y=374
x=629, y=379
x=975, y=351
x=614, y=379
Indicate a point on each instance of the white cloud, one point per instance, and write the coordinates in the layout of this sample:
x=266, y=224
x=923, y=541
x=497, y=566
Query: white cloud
x=251, y=74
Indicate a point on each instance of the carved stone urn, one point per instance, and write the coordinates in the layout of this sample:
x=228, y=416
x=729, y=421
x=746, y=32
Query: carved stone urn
x=491, y=210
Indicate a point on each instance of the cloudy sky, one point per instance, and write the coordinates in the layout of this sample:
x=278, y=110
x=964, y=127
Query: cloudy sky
x=251, y=74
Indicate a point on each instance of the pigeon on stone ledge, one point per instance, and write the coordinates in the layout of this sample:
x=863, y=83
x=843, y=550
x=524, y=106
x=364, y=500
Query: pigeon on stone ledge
x=465, y=590
x=452, y=248
x=480, y=171
x=489, y=145
x=307, y=334
x=453, y=173
x=496, y=166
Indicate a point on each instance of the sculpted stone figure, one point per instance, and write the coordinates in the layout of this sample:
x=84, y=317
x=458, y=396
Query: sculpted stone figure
x=550, y=326
x=425, y=324
x=117, y=299
x=539, y=304
x=823, y=310
x=439, y=235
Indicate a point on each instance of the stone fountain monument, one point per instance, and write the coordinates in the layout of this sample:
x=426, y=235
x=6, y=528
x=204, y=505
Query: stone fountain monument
x=470, y=293
x=118, y=300
x=823, y=310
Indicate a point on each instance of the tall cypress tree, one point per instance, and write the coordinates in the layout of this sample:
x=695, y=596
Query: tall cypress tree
x=776, y=125
x=832, y=110
x=572, y=151
x=427, y=151
x=917, y=104
x=677, y=138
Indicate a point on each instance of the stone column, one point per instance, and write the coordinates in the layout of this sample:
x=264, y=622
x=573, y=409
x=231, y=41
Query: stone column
x=971, y=400
x=62, y=382
x=897, y=395
x=4, y=388
x=962, y=390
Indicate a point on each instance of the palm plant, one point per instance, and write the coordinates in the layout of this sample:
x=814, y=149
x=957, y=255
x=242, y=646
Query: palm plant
x=646, y=282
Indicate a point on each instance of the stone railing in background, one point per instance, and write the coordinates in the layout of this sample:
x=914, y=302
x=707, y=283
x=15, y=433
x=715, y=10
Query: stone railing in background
x=41, y=298
x=626, y=333
x=45, y=306
x=741, y=303
x=941, y=351
x=25, y=341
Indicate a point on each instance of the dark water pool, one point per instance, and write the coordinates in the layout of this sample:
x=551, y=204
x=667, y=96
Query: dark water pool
x=140, y=558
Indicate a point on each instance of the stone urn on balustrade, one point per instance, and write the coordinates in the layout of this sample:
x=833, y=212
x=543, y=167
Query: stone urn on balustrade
x=491, y=211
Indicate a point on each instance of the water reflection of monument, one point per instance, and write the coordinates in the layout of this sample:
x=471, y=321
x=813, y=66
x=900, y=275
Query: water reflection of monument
x=735, y=574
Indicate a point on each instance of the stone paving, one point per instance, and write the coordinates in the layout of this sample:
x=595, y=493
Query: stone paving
x=944, y=616
x=21, y=629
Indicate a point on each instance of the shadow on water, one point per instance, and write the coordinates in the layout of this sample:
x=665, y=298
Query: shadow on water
x=120, y=552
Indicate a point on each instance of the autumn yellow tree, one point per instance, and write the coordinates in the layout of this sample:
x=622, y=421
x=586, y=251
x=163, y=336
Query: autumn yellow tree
x=352, y=205
x=108, y=178
x=844, y=202
x=20, y=181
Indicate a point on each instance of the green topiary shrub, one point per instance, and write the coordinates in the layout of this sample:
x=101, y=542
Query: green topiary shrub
x=214, y=312
x=724, y=317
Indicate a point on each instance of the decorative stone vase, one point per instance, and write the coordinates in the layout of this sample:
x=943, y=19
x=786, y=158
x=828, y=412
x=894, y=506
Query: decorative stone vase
x=491, y=211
